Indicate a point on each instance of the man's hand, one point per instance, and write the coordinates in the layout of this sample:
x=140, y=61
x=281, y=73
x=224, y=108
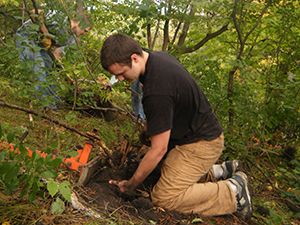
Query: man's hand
x=46, y=42
x=123, y=185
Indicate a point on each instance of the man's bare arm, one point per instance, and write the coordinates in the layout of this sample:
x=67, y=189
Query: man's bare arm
x=43, y=28
x=159, y=147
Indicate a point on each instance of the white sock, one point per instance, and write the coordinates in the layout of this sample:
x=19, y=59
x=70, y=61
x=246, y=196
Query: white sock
x=218, y=170
x=233, y=187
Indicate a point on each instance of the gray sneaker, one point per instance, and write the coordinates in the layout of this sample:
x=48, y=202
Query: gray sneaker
x=244, y=203
x=230, y=168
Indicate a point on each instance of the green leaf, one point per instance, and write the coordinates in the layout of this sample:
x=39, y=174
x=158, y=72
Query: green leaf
x=4, y=167
x=73, y=13
x=32, y=196
x=11, y=173
x=65, y=190
x=2, y=156
x=48, y=174
x=56, y=162
x=295, y=163
x=35, y=156
x=5, y=125
x=34, y=26
x=48, y=159
x=1, y=132
x=73, y=46
x=54, y=145
x=79, y=17
x=23, y=150
x=35, y=183
x=144, y=7
x=50, y=35
x=36, y=49
x=24, y=190
x=197, y=220
x=62, y=86
x=42, y=193
x=73, y=153
x=83, y=25
x=52, y=188
x=19, y=17
x=58, y=206
x=10, y=136
x=10, y=187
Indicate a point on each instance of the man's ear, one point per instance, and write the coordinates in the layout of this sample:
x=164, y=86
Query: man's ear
x=134, y=57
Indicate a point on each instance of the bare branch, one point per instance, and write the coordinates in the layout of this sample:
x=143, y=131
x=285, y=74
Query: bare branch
x=243, y=41
x=175, y=34
x=44, y=116
x=206, y=39
x=258, y=20
x=156, y=33
x=149, y=35
x=35, y=6
x=26, y=7
x=166, y=35
x=185, y=28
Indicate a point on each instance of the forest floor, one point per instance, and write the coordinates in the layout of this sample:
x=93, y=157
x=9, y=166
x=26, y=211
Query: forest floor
x=275, y=186
x=110, y=206
x=137, y=206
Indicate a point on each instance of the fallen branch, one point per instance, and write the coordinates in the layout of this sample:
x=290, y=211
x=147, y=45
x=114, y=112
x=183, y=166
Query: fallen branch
x=113, y=109
x=65, y=125
x=86, y=210
x=42, y=115
x=96, y=108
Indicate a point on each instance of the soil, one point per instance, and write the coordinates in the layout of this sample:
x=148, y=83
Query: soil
x=136, y=206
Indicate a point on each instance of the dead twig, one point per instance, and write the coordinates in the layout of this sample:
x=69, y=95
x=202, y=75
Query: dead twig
x=44, y=116
x=96, y=108
x=30, y=116
x=129, y=145
x=266, y=176
x=103, y=146
x=65, y=125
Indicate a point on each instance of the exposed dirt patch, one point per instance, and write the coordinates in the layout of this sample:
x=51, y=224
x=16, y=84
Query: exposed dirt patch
x=137, y=206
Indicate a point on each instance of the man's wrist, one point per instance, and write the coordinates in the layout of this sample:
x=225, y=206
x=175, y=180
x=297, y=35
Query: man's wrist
x=132, y=183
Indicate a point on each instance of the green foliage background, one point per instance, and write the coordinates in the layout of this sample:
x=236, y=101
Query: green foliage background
x=249, y=71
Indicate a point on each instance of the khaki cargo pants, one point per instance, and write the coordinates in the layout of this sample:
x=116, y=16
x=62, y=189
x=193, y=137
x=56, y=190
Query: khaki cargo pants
x=179, y=189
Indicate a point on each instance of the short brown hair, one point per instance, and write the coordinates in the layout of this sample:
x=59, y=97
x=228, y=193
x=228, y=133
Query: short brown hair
x=118, y=48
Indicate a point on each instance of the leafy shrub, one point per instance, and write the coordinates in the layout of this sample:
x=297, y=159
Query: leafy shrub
x=20, y=172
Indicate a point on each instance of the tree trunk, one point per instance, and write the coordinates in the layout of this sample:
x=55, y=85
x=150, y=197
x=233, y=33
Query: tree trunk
x=166, y=36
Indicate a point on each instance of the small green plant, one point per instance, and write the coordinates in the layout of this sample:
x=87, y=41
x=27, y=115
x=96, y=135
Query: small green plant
x=20, y=172
x=275, y=218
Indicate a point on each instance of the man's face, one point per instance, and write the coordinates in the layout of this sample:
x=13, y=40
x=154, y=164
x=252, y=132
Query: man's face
x=127, y=73
x=78, y=31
